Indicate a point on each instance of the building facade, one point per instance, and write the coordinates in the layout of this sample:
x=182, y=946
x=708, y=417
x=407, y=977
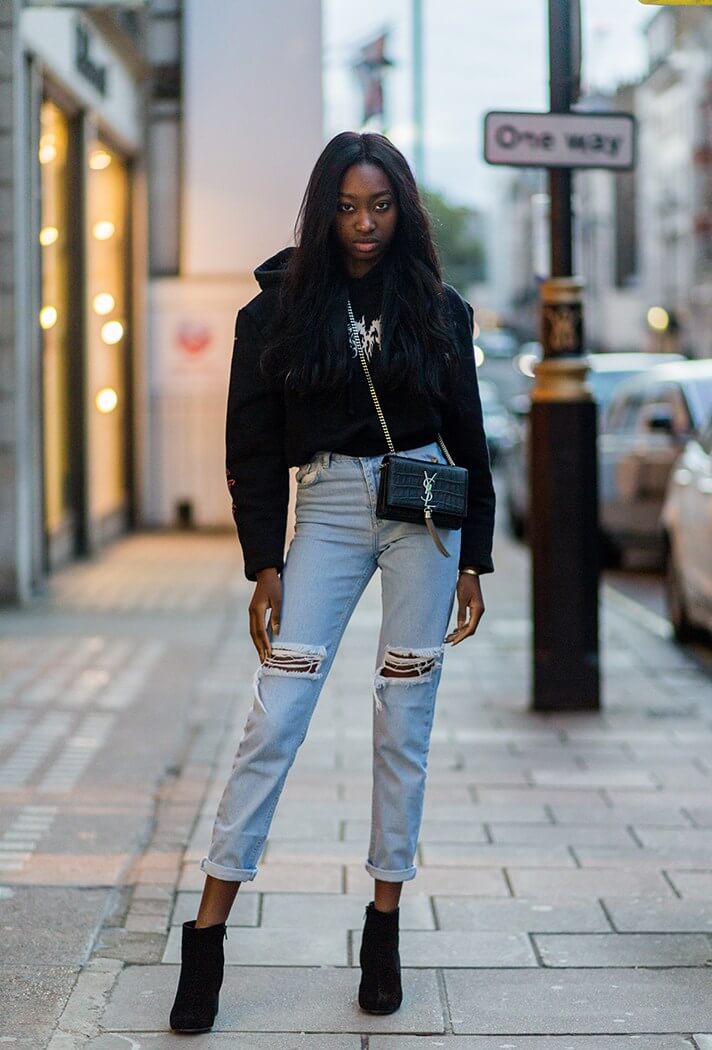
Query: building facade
x=151, y=155
x=232, y=141
x=674, y=103
x=73, y=250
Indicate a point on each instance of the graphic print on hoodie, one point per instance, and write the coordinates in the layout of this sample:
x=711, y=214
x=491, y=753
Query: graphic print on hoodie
x=366, y=295
x=369, y=338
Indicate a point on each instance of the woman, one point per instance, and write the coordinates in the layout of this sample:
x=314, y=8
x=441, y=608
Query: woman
x=299, y=396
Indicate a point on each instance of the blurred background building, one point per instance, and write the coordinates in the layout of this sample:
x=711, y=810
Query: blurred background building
x=643, y=238
x=153, y=152
x=150, y=155
x=73, y=233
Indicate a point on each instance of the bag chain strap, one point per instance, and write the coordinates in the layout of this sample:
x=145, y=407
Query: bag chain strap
x=357, y=339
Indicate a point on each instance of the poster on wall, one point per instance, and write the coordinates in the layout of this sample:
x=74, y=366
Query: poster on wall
x=192, y=334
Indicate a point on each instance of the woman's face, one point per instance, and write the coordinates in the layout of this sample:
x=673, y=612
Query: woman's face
x=366, y=216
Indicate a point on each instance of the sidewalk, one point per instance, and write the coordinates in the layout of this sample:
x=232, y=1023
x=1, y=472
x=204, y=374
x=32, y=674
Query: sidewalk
x=565, y=863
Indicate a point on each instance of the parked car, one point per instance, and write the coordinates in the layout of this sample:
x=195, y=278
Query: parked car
x=500, y=426
x=606, y=373
x=687, y=532
x=497, y=342
x=648, y=422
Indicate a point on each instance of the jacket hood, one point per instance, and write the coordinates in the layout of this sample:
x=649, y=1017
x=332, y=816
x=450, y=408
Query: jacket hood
x=269, y=274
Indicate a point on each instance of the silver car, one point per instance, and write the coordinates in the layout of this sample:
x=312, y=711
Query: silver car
x=687, y=529
x=606, y=373
x=649, y=420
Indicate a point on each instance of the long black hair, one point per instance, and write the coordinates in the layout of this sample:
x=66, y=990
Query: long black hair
x=415, y=348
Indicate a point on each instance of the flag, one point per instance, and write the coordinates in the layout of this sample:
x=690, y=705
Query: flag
x=369, y=68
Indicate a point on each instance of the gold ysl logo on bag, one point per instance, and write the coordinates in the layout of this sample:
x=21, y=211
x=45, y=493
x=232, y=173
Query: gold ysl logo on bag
x=428, y=486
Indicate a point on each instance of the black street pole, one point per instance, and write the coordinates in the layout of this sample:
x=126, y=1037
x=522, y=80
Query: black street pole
x=562, y=460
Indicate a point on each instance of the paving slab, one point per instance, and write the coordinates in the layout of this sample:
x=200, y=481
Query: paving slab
x=276, y=877
x=116, y=942
x=696, y=885
x=659, y=915
x=338, y=911
x=308, y=946
x=298, y=852
x=582, y=798
x=494, y=855
x=275, y=999
x=562, y=834
x=654, y=813
x=624, y=949
x=465, y=948
x=681, y=838
x=430, y=879
x=517, y=915
x=244, y=911
x=585, y=1001
x=431, y=831
x=590, y=883
x=623, y=776
x=227, y=1041
x=529, y=1042
x=657, y=858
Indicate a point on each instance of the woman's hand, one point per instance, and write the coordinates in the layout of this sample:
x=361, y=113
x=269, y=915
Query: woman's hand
x=268, y=595
x=469, y=599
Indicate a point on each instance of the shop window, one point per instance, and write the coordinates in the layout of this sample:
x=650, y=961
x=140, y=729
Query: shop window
x=54, y=322
x=107, y=338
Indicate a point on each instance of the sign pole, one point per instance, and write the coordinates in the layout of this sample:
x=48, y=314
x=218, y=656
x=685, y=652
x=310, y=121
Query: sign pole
x=418, y=107
x=562, y=463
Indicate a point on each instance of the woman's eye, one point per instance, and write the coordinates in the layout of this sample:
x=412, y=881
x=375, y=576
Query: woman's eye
x=383, y=205
x=343, y=207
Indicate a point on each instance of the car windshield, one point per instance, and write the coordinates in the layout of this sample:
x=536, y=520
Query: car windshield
x=603, y=385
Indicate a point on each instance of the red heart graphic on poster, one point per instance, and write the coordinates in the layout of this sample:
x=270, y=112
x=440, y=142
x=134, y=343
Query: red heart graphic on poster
x=193, y=337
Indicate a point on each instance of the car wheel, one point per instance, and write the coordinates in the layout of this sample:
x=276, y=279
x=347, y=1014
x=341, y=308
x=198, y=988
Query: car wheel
x=683, y=628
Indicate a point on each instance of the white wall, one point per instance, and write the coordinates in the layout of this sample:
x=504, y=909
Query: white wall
x=251, y=135
x=253, y=127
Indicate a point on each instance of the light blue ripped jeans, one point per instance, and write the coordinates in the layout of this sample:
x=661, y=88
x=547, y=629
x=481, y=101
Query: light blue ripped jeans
x=337, y=545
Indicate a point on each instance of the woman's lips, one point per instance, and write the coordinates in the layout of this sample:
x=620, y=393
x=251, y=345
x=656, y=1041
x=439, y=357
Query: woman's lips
x=365, y=246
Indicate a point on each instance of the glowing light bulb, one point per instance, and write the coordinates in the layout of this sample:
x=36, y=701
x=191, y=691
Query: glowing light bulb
x=112, y=332
x=48, y=235
x=48, y=148
x=48, y=317
x=99, y=160
x=103, y=303
x=658, y=318
x=103, y=230
x=106, y=400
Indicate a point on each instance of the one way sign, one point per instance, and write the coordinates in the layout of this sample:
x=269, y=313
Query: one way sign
x=561, y=140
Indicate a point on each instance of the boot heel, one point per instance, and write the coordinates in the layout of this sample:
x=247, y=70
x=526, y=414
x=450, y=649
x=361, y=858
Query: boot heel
x=201, y=976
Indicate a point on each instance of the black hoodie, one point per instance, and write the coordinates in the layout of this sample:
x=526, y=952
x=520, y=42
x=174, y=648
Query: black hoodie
x=270, y=428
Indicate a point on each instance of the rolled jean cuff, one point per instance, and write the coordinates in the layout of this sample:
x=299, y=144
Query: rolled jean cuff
x=391, y=876
x=218, y=871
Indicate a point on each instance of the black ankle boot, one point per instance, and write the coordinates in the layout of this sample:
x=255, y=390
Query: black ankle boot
x=201, y=975
x=380, y=990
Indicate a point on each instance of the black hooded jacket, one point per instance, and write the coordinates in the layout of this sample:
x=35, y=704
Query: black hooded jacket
x=270, y=428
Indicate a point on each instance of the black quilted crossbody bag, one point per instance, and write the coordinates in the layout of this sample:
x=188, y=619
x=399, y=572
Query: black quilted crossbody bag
x=415, y=490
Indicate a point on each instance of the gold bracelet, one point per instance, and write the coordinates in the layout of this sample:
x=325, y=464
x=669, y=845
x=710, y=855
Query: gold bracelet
x=470, y=572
